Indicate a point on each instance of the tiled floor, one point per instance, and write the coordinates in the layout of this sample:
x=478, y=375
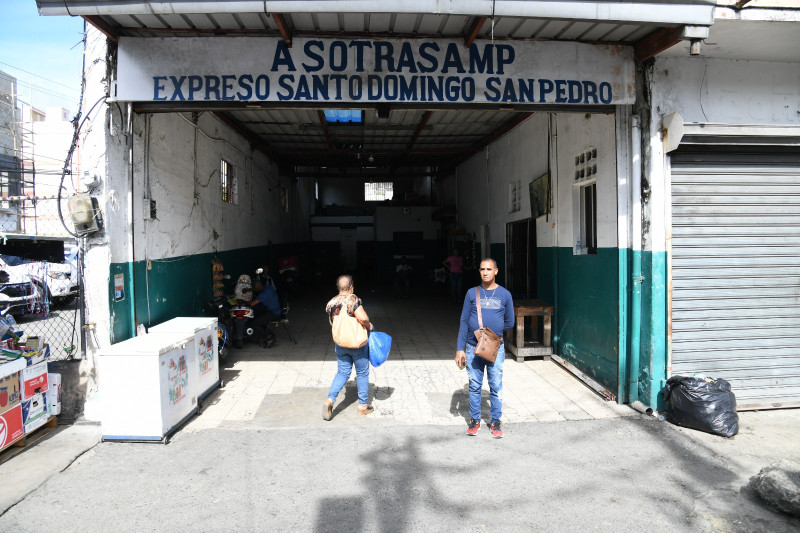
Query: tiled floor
x=419, y=384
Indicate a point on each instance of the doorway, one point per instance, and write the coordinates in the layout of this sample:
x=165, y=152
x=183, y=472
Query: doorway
x=521, y=259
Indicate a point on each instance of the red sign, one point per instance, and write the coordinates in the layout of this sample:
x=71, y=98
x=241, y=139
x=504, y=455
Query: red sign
x=10, y=426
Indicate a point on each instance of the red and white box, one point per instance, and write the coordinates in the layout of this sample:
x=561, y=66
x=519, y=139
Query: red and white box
x=11, y=427
x=34, y=380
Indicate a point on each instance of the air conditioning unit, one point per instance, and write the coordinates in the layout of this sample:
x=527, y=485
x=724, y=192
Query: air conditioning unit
x=85, y=214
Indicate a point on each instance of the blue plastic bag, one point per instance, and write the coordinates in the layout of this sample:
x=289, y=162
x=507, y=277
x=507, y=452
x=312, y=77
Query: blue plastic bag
x=379, y=346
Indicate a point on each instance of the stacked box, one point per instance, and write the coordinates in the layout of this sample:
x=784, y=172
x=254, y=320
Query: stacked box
x=53, y=395
x=34, y=380
x=34, y=412
x=11, y=425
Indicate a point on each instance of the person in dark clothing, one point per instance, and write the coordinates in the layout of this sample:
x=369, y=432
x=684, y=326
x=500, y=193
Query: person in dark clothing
x=267, y=308
x=497, y=311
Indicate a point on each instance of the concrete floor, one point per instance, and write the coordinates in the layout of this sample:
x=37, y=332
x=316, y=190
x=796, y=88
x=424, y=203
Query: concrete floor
x=260, y=457
x=285, y=385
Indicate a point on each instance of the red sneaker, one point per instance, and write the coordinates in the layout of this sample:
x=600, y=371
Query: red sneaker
x=497, y=429
x=473, y=427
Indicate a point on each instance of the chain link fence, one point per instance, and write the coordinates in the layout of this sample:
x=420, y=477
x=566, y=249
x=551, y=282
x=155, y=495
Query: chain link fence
x=44, y=296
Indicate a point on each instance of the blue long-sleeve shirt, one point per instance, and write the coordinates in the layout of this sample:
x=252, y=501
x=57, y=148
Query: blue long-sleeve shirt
x=497, y=311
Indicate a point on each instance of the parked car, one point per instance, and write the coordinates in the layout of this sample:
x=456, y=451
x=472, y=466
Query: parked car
x=20, y=295
x=57, y=282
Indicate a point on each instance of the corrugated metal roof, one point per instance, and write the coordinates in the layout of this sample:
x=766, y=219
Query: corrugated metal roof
x=618, y=22
x=407, y=138
x=429, y=25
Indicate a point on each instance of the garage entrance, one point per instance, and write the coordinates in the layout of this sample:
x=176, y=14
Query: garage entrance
x=735, y=270
x=348, y=150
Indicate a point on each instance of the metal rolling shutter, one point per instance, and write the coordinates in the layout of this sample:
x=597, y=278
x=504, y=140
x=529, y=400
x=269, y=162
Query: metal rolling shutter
x=736, y=273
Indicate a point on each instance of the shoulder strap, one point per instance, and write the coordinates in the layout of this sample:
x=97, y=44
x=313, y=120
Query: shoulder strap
x=478, y=305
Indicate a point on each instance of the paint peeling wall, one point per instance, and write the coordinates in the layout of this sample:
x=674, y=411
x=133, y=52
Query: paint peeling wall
x=727, y=91
x=700, y=90
x=165, y=261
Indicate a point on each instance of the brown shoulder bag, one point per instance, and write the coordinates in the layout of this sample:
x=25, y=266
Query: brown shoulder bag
x=488, y=340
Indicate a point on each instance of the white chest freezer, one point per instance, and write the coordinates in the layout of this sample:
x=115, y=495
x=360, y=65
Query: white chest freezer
x=146, y=386
x=204, y=330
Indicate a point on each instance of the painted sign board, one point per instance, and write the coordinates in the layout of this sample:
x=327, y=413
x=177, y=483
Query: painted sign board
x=350, y=71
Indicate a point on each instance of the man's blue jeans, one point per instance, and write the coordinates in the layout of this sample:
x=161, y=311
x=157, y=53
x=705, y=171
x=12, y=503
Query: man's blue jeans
x=494, y=375
x=347, y=358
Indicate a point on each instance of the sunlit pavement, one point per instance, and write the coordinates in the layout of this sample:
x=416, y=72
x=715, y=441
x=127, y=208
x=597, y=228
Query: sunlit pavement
x=284, y=386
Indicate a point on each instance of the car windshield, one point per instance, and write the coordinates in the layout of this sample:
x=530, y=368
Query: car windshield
x=12, y=260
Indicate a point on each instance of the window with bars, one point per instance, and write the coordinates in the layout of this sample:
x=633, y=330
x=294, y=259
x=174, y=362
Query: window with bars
x=589, y=218
x=227, y=183
x=378, y=191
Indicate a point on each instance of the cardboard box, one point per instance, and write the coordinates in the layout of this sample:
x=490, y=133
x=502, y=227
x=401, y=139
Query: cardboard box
x=9, y=392
x=35, y=342
x=34, y=380
x=34, y=413
x=53, y=394
x=11, y=427
x=38, y=357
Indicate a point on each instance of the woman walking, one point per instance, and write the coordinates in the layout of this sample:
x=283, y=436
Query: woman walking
x=349, y=326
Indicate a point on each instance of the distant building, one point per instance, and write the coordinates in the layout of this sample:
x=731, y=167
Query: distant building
x=10, y=150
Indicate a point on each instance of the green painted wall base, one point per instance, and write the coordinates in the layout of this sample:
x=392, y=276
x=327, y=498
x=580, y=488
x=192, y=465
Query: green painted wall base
x=178, y=286
x=653, y=353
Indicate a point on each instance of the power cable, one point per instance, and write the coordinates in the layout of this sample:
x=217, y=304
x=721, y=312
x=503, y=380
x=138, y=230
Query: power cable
x=38, y=76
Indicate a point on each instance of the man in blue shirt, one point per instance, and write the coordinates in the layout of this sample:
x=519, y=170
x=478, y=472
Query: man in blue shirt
x=497, y=313
x=267, y=308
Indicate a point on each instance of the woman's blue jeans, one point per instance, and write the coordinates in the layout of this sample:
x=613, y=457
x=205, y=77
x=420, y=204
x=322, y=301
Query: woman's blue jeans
x=494, y=375
x=347, y=358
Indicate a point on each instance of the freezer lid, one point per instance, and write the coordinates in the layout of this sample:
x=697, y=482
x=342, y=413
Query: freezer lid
x=191, y=324
x=149, y=344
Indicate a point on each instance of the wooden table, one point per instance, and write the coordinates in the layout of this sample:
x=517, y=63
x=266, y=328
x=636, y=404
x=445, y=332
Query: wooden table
x=532, y=308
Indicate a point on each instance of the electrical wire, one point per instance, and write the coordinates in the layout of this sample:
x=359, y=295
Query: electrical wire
x=38, y=76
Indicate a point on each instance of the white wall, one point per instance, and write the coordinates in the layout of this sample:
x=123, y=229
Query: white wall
x=191, y=216
x=391, y=219
x=578, y=132
x=718, y=90
x=329, y=229
x=484, y=179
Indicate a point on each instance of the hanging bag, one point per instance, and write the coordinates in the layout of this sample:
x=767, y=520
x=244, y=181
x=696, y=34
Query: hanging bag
x=347, y=331
x=488, y=340
x=379, y=346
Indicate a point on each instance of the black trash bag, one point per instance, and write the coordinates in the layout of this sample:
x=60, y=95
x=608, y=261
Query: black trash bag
x=703, y=404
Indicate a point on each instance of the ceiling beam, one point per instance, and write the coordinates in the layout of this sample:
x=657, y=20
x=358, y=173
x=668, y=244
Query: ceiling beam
x=501, y=130
x=654, y=43
x=104, y=27
x=476, y=27
x=255, y=141
x=283, y=28
x=374, y=151
x=324, y=124
x=420, y=127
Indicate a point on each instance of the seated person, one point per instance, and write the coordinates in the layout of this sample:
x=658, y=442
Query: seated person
x=267, y=308
x=402, y=281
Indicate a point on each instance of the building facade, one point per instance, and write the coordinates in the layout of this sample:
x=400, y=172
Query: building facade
x=624, y=161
